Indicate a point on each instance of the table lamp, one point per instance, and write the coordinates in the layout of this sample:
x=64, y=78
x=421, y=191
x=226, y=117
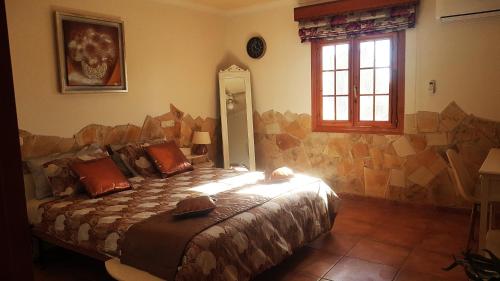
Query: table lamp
x=200, y=141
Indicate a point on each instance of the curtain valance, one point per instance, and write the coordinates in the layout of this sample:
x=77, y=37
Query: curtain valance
x=356, y=24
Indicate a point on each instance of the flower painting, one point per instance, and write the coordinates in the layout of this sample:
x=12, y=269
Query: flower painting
x=91, y=54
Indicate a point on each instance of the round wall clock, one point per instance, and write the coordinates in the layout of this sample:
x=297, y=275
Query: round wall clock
x=256, y=47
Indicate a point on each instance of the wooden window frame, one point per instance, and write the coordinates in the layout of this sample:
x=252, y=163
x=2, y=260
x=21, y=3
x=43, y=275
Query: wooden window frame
x=395, y=125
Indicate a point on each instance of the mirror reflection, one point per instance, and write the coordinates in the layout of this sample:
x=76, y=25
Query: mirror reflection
x=237, y=126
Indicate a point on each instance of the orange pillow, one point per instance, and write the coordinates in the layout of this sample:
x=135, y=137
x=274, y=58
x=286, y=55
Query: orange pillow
x=100, y=176
x=168, y=158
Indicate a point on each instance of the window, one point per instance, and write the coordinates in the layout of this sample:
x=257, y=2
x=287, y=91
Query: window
x=358, y=84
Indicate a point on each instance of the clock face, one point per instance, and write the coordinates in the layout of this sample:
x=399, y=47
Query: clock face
x=256, y=47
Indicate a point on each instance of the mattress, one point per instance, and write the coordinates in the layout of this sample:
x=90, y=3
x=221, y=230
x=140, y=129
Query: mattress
x=236, y=249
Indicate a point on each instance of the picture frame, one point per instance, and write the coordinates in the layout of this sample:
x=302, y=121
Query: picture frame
x=91, y=53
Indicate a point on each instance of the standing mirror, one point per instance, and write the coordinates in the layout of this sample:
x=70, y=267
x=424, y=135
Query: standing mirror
x=236, y=118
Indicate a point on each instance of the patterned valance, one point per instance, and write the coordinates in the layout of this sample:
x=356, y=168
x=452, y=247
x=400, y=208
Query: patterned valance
x=359, y=23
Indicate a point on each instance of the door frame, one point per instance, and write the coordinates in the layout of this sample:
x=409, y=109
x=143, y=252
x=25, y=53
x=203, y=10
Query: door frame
x=15, y=237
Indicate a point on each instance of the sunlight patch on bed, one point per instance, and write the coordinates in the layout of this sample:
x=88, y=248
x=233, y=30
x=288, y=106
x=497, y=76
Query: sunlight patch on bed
x=228, y=183
x=298, y=183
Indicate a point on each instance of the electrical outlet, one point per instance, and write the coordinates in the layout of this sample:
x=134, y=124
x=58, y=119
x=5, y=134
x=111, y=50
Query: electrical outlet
x=167, y=123
x=431, y=87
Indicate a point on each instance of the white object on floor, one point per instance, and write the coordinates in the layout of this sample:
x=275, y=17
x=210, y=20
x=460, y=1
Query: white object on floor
x=122, y=272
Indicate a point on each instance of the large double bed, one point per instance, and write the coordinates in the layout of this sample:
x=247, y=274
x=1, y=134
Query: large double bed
x=289, y=214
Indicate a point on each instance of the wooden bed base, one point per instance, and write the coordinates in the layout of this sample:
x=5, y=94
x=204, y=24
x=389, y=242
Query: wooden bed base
x=47, y=238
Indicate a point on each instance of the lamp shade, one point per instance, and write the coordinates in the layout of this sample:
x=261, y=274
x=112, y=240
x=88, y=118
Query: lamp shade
x=201, y=138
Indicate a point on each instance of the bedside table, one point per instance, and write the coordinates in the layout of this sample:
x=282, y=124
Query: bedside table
x=200, y=161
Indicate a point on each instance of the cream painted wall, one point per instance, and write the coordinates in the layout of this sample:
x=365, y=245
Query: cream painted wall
x=464, y=58
x=174, y=53
x=172, y=57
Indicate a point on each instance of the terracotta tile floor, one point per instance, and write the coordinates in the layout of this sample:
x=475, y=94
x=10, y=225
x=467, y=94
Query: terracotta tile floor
x=370, y=241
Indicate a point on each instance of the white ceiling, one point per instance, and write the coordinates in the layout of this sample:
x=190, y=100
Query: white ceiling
x=228, y=5
x=232, y=5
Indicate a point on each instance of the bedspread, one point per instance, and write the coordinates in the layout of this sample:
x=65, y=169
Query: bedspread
x=235, y=249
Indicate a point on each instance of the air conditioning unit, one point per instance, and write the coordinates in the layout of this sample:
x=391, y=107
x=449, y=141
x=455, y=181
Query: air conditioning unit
x=458, y=10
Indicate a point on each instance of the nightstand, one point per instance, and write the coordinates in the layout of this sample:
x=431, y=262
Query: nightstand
x=200, y=161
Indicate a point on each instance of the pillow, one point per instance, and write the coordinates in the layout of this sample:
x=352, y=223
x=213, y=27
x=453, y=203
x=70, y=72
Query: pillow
x=100, y=176
x=281, y=174
x=168, y=159
x=194, y=206
x=62, y=181
x=136, y=160
x=119, y=161
x=60, y=177
x=35, y=165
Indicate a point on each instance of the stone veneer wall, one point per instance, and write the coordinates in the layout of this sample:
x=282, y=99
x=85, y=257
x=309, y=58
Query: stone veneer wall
x=174, y=125
x=411, y=167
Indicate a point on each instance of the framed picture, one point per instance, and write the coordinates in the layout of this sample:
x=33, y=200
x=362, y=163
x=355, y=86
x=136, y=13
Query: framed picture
x=91, y=53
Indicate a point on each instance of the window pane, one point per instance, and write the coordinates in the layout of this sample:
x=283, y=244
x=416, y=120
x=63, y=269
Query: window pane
x=366, y=53
x=366, y=108
x=342, y=56
x=366, y=82
x=328, y=83
x=328, y=108
x=382, y=80
x=328, y=57
x=382, y=108
x=342, y=108
x=383, y=53
x=342, y=82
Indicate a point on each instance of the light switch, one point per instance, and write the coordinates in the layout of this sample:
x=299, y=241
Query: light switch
x=431, y=87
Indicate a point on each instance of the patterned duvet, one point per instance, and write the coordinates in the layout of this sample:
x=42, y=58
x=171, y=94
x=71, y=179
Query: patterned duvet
x=235, y=249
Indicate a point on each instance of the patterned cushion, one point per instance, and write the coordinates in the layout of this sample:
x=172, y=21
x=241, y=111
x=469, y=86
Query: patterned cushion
x=194, y=206
x=61, y=179
x=35, y=165
x=135, y=158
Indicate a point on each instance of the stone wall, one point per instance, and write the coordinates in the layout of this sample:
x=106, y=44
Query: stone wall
x=173, y=125
x=411, y=167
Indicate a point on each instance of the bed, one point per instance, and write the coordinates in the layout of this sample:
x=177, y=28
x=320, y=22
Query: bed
x=238, y=248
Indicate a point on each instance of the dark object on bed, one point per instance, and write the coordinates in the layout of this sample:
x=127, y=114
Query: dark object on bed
x=100, y=176
x=119, y=161
x=196, y=206
x=168, y=158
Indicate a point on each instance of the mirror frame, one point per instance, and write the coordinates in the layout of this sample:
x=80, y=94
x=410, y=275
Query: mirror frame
x=233, y=72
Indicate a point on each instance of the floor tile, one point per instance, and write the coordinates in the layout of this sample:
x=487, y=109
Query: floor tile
x=397, y=235
x=433, y=263
x=379, y=252
x=352, y=227
x=408, y=220
x=352, y=269
x=445, y=243
x=313, y=262
x=455, y=223
x=408, y=275
x=335, y=243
